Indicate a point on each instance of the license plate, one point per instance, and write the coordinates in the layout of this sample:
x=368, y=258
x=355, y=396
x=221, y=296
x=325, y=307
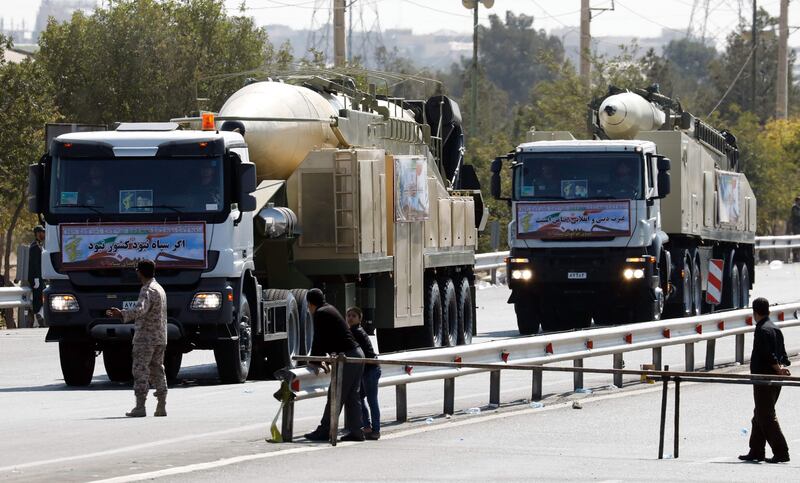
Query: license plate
x=128, y=304
x=576, y=275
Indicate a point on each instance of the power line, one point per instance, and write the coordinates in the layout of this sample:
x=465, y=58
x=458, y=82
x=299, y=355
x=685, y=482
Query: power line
x=730, y=87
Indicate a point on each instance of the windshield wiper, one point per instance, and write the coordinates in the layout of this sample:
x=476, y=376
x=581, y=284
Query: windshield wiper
x=94, y=208
x=166, y=207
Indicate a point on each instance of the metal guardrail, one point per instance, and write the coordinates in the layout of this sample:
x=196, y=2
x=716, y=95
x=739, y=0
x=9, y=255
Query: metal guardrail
x=15, y=297
x=449, y=363
x=775, y=242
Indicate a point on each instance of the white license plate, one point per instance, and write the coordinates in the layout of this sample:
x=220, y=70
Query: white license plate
x=576, y=275
x=128, y=304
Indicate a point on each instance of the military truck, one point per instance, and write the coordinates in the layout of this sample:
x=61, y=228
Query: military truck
x=298, y=182
x=652, y=217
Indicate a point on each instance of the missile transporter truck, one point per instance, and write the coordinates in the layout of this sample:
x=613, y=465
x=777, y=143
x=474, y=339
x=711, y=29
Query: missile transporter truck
x=651, y=218
x=299, y=183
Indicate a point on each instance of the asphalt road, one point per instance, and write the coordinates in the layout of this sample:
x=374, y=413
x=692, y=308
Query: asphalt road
x=49, y=431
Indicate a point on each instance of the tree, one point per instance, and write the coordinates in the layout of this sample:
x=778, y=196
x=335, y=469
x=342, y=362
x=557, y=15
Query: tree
x=688, y=72
x=148, y=60
x=26, y=104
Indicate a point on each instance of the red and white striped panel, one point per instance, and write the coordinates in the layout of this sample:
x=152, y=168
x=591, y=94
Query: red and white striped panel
x=714, y=288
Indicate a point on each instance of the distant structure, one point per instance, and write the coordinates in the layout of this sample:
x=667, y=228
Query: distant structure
x=61, y=10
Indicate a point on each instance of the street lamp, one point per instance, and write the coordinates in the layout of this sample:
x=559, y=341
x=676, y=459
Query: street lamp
x=473, y=5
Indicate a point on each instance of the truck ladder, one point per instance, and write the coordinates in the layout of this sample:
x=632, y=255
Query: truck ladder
x=345, y=202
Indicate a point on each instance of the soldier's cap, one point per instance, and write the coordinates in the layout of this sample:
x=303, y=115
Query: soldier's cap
x=316, y=297
x=38, y=229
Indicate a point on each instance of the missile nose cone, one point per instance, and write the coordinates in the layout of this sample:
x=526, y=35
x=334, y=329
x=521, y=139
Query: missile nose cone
x=610, y=110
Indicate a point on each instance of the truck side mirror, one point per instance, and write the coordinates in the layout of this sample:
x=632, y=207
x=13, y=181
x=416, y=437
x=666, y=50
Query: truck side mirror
x=496, y=167
x=663, y=179
x=35, y=185
x=246, y=181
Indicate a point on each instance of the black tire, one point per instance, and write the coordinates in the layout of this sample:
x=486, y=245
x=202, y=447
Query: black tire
x=118, y=361
x=736, y=288
x=235, y=356
x=434, y=312
x=305, y=320
x=698, y=304
x=683, y=277
x=526, y=318
x=173, y=358
x=77, y=362
x=449, y=313
x=466, y=321
x=280, y=352
x=744, y=275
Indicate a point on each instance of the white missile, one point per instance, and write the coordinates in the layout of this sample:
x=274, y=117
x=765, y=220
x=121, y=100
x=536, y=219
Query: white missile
x=623, y=116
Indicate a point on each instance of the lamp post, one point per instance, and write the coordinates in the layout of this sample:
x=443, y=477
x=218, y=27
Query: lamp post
x=473, y=5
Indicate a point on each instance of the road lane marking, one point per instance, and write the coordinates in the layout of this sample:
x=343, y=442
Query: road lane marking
x=177, y=470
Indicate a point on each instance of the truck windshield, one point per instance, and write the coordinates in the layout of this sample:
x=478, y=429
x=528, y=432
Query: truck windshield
x=579, y=175
x=130, y=186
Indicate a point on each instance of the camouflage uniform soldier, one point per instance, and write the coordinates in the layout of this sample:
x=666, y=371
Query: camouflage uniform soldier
x=149, y=340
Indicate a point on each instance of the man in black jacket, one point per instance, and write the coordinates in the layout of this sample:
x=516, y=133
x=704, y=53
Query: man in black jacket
x=768, y=357
x=35, y=273
x=332, y=336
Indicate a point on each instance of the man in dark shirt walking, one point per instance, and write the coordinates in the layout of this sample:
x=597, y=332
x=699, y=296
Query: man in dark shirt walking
x=332, y=336
x=768, y=357
x=370, y=379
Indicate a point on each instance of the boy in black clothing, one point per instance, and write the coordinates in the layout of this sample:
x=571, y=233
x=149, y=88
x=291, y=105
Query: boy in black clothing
x=369, y=381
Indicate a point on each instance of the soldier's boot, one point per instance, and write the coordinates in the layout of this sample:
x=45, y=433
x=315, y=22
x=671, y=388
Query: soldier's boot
x=161, y=407
x=138, y=411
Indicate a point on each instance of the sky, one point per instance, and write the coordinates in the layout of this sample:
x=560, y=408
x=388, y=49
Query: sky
x=637, y=18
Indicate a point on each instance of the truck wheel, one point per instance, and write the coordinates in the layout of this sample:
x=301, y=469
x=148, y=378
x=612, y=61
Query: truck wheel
x=526, y=319
x=697, y=289
x=434, y=335
x=744, y=275
x=280, y=353
x=234, y=356
x=172, y=363
x=449, y=312
x=735, y=289
x=465, y=312
x=77, y=362
x=118, y=361
x=305, y=320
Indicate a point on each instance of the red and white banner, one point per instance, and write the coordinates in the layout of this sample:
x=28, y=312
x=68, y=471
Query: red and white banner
x=714, y=288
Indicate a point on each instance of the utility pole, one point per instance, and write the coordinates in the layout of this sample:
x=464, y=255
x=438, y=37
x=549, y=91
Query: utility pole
x=754, y=71
x=338, y=33
x=586, y=44
x=782, y=101
x=350, y=32
x=474, y=101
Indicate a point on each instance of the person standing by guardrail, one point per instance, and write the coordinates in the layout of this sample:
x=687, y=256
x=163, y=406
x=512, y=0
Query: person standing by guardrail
x=793, y=226
x=369, y=381
x=332, y=336
x=149, y=340
x=35, y=273
x=768, y=357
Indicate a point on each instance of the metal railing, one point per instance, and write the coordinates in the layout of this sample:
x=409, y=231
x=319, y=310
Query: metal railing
x=447, y=364
x=15, y=297
x=775, y=242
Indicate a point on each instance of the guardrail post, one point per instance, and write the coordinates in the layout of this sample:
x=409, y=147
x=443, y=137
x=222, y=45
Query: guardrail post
x=494, y=387
x=619, y=363
x=401, y=403
x=740, y=348
x=664, y=388
x=689, y=353
x=449, y=395
x=287, y=421
x=711, y=345
x=536, y=385
x=335, y=390
x=494, y=276
x=657, y=358
x=676, y=436
x=577, y=376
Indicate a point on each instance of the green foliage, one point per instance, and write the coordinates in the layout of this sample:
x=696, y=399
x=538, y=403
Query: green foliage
x=142, y=60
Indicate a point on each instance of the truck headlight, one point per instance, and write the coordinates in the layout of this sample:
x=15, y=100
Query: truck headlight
x=522, y=274
x=633, y=273
x=64, y=303
x=207, y=301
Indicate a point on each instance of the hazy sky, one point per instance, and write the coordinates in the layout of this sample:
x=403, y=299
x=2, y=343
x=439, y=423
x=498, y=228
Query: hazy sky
x=640, y=18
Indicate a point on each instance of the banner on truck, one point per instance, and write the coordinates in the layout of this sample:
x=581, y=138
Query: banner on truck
x=411, y=188
x=170, y=245
x=728, y=208
x=590, y=219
